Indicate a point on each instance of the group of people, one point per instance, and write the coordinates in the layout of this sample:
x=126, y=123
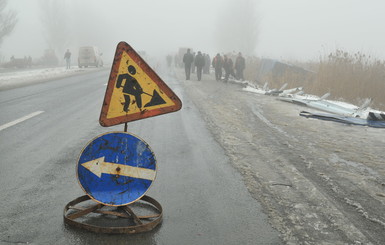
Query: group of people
x=219, y=64
x=199, y=61
x=226, y=63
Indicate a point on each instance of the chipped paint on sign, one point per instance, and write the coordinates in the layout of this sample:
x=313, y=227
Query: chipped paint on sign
x=116, y=168
x=137, y=101
x=134, y=91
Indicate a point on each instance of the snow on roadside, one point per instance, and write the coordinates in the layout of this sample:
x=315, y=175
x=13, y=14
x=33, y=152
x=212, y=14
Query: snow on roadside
x=18, y=78
x=254, y=90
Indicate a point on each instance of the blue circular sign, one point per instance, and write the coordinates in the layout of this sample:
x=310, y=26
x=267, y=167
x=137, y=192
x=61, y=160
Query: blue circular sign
x=116, y=168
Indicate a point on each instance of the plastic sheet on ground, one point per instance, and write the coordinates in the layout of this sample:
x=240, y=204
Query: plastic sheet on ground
x=344, y=119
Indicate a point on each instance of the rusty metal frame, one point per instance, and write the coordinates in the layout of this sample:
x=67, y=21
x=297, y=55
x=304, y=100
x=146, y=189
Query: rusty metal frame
x=142, y=223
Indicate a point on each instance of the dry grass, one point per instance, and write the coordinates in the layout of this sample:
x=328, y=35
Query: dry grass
x=352, y=77
x=250, y=72
x=348, y=77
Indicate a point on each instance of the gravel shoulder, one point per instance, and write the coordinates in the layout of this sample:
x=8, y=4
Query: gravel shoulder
x=319, y=182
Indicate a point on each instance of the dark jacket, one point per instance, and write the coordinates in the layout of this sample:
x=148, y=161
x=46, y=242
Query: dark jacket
x=240, y=63
x=188, y=59
x=199, y=60
x=217, y=62
x=67, y=55
x=228, y=64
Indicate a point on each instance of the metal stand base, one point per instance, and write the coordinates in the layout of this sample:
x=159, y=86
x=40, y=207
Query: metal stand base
x=117, y=220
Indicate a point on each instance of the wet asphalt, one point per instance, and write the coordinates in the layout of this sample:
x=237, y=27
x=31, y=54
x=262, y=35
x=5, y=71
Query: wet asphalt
x=204, y=199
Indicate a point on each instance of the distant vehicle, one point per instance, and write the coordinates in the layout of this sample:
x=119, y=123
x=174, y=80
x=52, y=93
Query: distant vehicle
x=89, y=56
x=278, y=72
x=16, y=63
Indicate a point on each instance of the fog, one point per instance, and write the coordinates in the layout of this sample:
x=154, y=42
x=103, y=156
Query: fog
x=295, y=29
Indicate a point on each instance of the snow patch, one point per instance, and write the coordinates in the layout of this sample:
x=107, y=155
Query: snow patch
x=18, y=78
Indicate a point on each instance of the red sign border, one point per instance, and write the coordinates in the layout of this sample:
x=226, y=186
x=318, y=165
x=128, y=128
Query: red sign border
x=107, y=122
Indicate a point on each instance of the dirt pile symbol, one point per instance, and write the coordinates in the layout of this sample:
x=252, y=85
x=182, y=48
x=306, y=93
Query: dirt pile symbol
x=155, y=100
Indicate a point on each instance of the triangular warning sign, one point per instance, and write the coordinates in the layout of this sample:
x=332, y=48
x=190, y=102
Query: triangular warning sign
x=134, y=90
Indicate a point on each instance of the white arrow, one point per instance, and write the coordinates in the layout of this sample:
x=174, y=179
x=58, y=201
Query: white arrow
x=99, y=167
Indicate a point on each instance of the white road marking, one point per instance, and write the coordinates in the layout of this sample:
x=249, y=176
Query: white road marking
x=7, y=125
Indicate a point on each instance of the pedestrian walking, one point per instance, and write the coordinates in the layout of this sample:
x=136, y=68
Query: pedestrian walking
x=169, y=60
x=218, y=64
x=193, y=67
x=67, y=57
x=29, y=61
x=199, y=62
x=206, y=68
x=229, y=67
x=240, y=65
x=188, y=59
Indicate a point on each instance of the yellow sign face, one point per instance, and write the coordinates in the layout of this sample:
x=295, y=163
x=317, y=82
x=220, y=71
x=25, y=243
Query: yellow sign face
x=134, y=90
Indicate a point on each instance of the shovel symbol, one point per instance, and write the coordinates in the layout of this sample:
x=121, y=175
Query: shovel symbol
x=155, y=100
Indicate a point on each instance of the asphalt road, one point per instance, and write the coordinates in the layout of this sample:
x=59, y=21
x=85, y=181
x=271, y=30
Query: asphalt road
x=44, y=127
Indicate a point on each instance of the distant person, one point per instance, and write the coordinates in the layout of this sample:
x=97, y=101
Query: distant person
x=240, y=65
x=176, y=61
x=67, y=57
x=229, y=67
x=29, y=61
x=199, y=62
x=218, y=64
x=206, y=69
x=193, y=67
x=169, y=60
x=188, y=59
x=131, y=86
x=25, y=61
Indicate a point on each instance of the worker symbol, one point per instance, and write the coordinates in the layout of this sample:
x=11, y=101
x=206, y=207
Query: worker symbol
x=132, y=87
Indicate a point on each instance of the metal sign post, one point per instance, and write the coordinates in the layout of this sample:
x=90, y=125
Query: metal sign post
x=128, y=222
x=116, y=169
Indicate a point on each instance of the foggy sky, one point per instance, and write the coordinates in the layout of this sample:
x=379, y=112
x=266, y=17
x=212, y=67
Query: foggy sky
x=295, y=29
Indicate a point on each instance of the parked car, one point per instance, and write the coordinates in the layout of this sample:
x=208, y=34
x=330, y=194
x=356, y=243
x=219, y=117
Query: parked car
x=89, y=56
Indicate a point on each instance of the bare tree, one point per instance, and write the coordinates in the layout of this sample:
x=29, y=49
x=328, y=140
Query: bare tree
x=8, y=20
x=238, y=27
x=54, y=18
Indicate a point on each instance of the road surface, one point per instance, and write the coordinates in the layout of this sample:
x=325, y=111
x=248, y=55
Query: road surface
x=234, y=167
x=43, y=128
x=320, y=182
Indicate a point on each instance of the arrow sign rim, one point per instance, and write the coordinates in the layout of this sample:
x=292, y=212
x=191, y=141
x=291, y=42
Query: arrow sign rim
x=114, y=168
